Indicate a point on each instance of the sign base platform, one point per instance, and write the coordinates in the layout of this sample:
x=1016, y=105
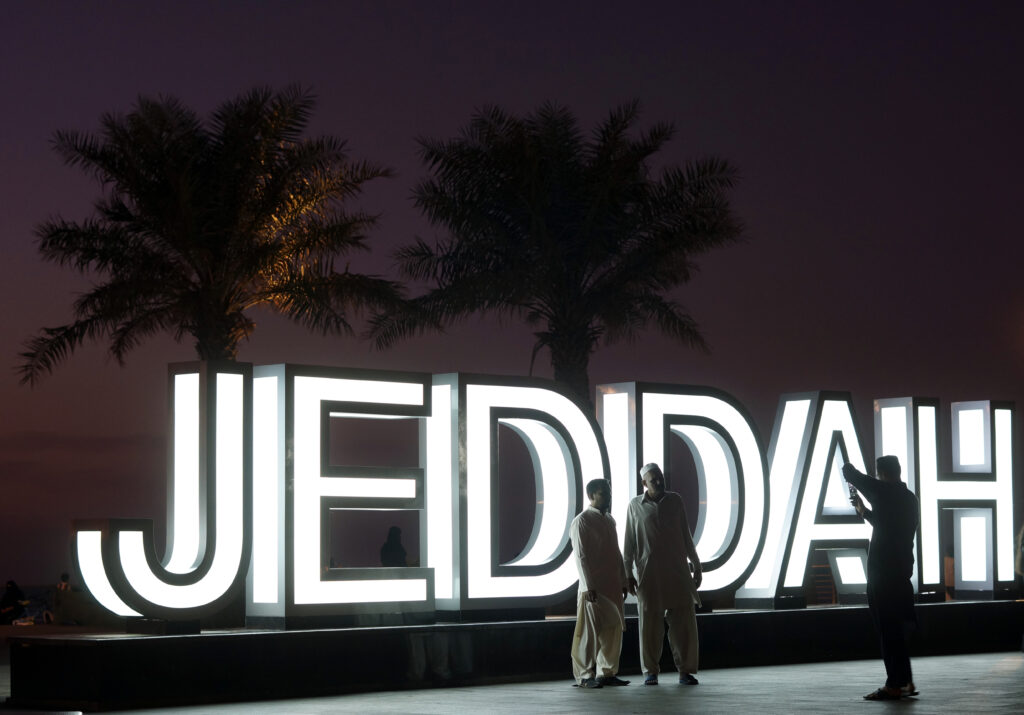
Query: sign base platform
x=107, y=672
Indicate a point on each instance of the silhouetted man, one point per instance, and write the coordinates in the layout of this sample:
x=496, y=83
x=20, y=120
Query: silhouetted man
x=893, y=518
x=392, y=553
x=658, y=543
x=11, y=606
x=600, y=621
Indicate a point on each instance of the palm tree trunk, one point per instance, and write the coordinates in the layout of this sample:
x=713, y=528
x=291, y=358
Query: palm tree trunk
x=217, y=337
x=215, y=350
x=571, y=360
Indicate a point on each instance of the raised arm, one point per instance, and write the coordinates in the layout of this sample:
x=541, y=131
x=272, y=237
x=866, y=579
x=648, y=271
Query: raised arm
x=868, y=486
x=862, y=483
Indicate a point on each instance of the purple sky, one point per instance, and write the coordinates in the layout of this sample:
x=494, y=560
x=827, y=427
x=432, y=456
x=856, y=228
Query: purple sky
x=880, y=147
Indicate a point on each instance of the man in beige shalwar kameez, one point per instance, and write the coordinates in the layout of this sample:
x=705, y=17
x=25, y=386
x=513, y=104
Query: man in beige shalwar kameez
x=600, y=621
x=658, y=543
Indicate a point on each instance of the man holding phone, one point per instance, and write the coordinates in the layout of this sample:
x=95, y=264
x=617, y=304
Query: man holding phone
x=893, y=518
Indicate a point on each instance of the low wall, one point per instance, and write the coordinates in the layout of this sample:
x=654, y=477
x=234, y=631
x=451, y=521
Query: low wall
x=110, y=672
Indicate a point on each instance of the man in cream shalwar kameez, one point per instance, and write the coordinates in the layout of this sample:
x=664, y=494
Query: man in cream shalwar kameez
x=658, y=543
x=600, y=621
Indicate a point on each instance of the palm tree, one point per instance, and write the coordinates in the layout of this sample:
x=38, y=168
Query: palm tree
x=202, y=222
x=570, y=233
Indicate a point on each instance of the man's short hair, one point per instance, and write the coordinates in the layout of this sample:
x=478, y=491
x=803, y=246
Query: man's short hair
x=650, y=467
x=594, y=484
x=888, y=465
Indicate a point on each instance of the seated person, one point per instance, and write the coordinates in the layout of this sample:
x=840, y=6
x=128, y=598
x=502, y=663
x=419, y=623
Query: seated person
x=11, y=606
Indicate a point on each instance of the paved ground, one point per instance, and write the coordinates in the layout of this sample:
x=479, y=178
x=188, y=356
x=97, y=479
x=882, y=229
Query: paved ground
x=980, y=683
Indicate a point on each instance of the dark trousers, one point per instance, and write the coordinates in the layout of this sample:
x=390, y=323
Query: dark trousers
x=892, y=608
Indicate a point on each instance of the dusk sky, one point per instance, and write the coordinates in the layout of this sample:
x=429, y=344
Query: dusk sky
x=880, y=147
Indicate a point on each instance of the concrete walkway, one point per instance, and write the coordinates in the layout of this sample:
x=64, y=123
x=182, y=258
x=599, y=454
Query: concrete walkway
x=979, y=683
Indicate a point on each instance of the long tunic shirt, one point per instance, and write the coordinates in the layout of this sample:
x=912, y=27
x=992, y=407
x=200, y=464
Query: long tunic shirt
x=598, y=559
x=658, y=542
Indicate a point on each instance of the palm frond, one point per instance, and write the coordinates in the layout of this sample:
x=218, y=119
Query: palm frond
x=200, y=221
x=570, y=233
x=44, y=352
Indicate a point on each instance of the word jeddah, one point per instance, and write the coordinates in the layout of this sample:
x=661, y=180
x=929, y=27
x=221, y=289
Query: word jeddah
x=251, y=489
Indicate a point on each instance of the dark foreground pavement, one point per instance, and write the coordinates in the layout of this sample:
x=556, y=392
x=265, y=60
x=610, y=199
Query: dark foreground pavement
x=976, y=683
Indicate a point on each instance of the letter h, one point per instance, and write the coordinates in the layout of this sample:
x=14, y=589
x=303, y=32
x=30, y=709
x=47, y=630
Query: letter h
x=979, y=491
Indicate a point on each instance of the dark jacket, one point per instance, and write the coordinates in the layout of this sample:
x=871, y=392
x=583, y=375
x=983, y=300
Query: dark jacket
x=893, y=517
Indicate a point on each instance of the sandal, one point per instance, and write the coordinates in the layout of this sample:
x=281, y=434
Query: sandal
x=909, y=690
x=885, y=694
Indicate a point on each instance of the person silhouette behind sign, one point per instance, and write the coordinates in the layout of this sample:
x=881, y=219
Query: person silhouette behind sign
x=893, y=518
x=392, y=553
x=11, y=606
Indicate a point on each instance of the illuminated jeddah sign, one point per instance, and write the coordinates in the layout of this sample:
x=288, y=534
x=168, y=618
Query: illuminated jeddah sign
x=252, y=488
